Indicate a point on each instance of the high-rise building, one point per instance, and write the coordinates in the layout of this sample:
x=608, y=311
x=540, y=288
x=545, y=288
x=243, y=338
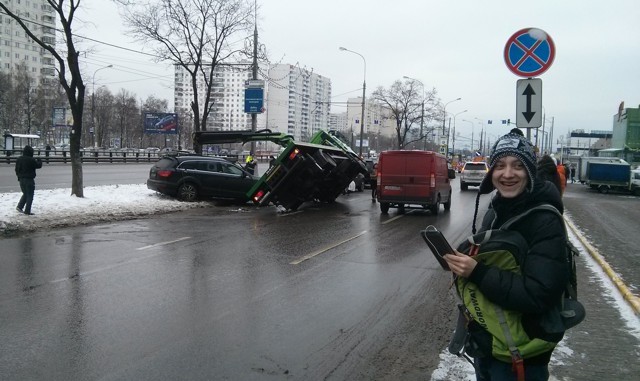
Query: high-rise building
x=17, y=48
x=297, y=102
x=227, y=97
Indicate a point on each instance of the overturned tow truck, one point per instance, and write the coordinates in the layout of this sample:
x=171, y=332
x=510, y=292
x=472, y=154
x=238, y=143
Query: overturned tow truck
x=316, y=171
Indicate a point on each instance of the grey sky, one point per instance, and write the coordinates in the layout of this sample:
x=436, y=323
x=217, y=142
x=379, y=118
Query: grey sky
x=454, y=46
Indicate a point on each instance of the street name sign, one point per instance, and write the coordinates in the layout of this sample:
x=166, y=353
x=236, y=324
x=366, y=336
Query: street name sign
x=529, y=103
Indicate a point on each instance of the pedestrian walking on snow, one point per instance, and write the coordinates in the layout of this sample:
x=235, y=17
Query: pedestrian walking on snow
x=26, y=167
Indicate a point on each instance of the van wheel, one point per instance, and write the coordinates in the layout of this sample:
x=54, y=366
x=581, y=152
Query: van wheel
x=603, y=189
x=464, y=186
x=384, y=207
x=435, y=208
x=188, y=192
x=447, y=205
x=401, y=209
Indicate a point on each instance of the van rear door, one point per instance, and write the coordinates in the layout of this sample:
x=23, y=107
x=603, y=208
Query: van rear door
x=419, y=169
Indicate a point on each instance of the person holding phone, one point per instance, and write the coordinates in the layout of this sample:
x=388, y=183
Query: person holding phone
x=544, y=273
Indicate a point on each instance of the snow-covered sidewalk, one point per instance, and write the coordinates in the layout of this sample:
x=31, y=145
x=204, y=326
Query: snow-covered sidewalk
x=58, y=208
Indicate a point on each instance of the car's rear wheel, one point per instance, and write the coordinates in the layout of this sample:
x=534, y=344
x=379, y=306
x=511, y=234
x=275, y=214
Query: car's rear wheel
x=447, y=205
x=463, y=186
x=384, y=207
x=188, y=192
x=435, y=208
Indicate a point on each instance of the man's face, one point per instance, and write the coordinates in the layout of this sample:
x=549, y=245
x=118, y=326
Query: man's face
x=509, y=176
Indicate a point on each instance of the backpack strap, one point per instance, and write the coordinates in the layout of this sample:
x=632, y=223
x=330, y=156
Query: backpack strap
x=517, y=362
x=547, y=207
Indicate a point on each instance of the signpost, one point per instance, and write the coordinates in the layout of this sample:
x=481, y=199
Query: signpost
x=254, y=96
x=529, y=52
x=529, y=103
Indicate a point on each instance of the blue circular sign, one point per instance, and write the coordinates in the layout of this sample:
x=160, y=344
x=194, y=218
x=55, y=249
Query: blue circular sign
x=529, y=52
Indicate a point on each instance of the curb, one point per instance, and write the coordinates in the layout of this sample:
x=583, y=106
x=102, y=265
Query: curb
x=633, y=300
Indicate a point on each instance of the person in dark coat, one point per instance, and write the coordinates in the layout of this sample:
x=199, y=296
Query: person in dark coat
x=543, y=275
x=26, y=167
x=547, y=171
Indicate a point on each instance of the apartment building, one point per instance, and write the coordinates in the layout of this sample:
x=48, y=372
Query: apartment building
x=297, y=102
x=227, y=97
x=17, y=48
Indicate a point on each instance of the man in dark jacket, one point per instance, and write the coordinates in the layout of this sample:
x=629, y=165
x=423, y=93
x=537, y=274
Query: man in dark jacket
x=544, y=273
x=26, y=167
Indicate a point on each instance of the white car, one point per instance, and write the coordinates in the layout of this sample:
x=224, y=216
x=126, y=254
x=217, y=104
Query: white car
x=472, y=173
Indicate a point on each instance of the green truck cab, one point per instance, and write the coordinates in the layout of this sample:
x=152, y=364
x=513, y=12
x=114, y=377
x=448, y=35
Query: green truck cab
x=316, y=171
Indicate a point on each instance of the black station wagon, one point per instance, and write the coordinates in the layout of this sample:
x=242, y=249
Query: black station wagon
x=197, y=177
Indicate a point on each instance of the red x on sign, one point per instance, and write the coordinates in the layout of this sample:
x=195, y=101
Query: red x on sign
x=529, y=52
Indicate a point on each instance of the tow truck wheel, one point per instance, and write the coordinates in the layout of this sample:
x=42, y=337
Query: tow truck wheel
x=384, y=207
x=188, y=192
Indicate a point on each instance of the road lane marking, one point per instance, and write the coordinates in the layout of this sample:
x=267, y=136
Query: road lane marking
x=163, y=243
x=397, y=217
x=309, y=256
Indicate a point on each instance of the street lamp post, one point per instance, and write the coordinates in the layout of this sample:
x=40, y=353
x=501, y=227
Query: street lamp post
x=424, y=140
x=481, y=146
x=444, y=119
x=364, y=87
x=453, y=138
x=473, y=127
x=93, y=103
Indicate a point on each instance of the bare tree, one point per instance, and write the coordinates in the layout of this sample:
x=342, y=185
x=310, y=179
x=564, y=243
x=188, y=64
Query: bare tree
x=127, y=117
x=74, y=88
x=153, y=104
x=195, y=35
x=48, y=94
x=404, y=103
x=103, y=113
x=7, y=101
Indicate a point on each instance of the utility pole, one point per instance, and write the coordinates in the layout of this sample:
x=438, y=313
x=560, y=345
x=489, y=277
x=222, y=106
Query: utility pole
x=254, y=116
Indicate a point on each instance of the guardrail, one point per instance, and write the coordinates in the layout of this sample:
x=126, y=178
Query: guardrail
x=93, y=156
x=100, y=156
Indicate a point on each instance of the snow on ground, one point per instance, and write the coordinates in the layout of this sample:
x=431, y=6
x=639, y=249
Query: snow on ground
x=57, y=207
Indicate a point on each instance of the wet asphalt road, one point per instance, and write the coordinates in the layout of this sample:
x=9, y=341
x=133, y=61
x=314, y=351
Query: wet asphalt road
x=223, y=293
x=333, y=292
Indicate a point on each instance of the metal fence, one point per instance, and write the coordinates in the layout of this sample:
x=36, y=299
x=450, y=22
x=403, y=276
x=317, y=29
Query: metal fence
x=103, y=156
x=88, y=156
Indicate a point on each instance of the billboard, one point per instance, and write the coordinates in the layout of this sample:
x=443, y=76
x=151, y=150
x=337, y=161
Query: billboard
x=59, y=117
x=160, y=123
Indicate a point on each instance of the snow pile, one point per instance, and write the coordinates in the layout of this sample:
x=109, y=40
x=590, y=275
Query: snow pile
x=57, y=208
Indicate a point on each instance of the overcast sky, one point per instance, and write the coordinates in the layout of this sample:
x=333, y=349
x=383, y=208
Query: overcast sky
x=453, y=46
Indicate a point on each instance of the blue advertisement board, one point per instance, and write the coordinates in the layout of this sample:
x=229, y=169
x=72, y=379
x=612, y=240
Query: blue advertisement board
x=160, y=123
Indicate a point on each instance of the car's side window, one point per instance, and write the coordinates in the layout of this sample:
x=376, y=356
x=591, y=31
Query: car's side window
x=211, y=166
x=188, y=165
x=232, y=169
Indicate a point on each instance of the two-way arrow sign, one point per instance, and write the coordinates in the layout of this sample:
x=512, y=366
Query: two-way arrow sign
x=529, y=103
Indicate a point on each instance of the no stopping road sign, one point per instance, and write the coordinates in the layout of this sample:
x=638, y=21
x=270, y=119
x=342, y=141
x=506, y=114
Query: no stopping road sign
x=529, y=52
